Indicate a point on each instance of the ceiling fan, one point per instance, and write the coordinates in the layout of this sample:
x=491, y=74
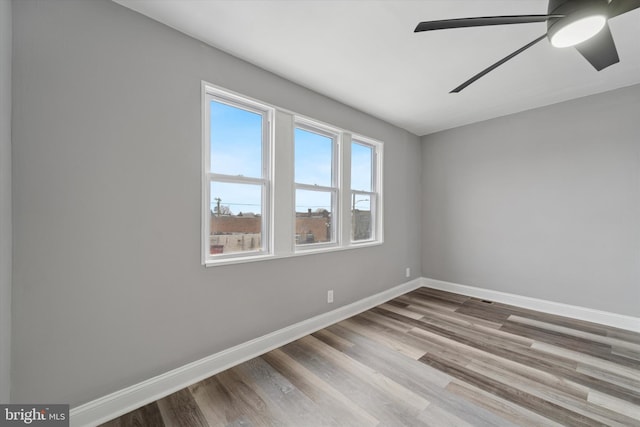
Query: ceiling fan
x=578, y=23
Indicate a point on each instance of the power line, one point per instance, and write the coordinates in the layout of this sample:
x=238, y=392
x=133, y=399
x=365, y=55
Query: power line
x=238, y=204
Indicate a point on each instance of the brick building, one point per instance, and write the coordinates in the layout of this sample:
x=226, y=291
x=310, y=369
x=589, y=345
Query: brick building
x=233, y=233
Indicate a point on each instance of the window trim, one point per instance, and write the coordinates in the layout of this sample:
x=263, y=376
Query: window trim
x=279, y=222
x=377, y=228
x=334, y=134
x=212, y=93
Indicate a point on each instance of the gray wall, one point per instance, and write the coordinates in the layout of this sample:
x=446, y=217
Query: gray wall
x=544, y=203
x=5, y=198
x=108, y=286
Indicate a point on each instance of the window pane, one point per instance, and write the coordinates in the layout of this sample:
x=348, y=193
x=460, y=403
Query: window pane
x=313, y=160
x=235, y=218
x=313, y=217
x=361, y=218
x=236, y=141
x=361, y=167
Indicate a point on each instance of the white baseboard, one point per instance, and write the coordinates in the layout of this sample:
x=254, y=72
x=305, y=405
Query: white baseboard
x=576, y=312
x=120, y=402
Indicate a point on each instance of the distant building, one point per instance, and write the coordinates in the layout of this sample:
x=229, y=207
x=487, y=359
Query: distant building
x=313, y=227
x=242, y=232
x=235, y=233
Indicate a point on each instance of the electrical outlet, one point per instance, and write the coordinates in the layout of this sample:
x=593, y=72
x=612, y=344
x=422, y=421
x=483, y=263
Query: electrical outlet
x=408, y=272
x=330, y=296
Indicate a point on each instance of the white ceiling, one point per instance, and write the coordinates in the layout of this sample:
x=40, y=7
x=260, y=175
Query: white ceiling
x=364, y=53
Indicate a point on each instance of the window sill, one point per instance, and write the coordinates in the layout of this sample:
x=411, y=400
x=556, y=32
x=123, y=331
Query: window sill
x=299, y=252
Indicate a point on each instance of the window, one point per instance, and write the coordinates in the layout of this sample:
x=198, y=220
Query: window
x=316, y=185
x=275, y=184
x=237, y=146
x=364, y=191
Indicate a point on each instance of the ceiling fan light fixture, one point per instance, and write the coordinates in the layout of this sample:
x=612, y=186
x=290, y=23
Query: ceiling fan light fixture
x=576, y=31
x=569, y=23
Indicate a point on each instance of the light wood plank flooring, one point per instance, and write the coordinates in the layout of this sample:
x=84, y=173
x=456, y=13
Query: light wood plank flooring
x=426, y=358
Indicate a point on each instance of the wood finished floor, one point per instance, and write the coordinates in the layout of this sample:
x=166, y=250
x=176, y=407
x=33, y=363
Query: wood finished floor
x=426, y=358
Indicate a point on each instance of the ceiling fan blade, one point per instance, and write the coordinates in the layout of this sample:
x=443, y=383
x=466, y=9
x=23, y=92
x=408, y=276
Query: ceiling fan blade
x=600, y=50
x=481, y=22
x=618, y=7
x=497, y=64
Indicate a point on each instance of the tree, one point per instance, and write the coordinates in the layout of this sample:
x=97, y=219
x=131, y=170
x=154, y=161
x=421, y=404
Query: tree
x=224, y=210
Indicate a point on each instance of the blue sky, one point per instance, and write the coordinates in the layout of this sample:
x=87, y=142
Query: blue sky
x=236, y=140
x=361, y=167
x=313, y=153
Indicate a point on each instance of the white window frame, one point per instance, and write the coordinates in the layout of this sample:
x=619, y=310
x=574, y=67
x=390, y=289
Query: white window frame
x=279, y=186
x=334, y=189
x=376, y=190
x=212, y=93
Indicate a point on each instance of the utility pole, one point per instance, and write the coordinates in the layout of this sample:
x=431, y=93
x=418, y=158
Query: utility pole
x=218, y=200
